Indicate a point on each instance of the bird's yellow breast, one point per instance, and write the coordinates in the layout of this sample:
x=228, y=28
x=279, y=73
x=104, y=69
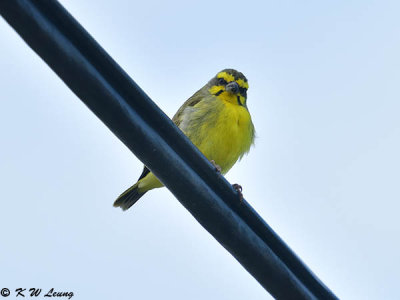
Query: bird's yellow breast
x=222, y=130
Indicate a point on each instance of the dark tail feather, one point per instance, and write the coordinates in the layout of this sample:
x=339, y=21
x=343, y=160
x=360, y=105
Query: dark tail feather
x=128, y=198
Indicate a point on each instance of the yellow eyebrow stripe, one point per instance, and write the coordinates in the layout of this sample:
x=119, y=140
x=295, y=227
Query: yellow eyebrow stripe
x=242, y=83
x=228, y=77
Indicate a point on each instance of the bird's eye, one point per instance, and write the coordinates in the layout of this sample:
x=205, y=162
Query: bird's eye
x=221, y=81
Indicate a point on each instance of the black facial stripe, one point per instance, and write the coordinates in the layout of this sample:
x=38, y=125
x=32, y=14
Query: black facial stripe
x=243, y=92
x=219, y=92
x=238, y=99
x=221, y=81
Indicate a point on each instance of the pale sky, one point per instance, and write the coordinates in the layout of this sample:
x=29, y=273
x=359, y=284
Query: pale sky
x=324, y=172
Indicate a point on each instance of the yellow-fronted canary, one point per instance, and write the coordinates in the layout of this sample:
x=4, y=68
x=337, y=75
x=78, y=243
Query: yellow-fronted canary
x=216, y=120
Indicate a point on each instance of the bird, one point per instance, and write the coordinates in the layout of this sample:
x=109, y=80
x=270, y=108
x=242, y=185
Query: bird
x=217, y=121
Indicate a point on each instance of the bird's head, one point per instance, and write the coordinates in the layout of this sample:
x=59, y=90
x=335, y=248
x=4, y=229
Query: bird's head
x=231, y=86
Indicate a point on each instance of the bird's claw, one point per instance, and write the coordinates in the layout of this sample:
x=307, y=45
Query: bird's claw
x=238, y=189
x=217, y=167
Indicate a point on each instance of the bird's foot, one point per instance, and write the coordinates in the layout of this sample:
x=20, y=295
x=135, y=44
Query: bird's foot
x=238, y=189
x=217, y=168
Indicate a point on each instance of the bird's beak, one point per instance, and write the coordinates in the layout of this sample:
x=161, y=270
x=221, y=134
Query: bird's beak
x=232, y=87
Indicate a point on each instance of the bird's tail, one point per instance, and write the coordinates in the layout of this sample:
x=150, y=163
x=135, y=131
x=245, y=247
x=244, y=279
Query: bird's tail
x=129, y=197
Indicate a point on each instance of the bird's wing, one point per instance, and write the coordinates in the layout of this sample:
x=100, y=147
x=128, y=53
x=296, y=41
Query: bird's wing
x=192, y=101
x=177, y=119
